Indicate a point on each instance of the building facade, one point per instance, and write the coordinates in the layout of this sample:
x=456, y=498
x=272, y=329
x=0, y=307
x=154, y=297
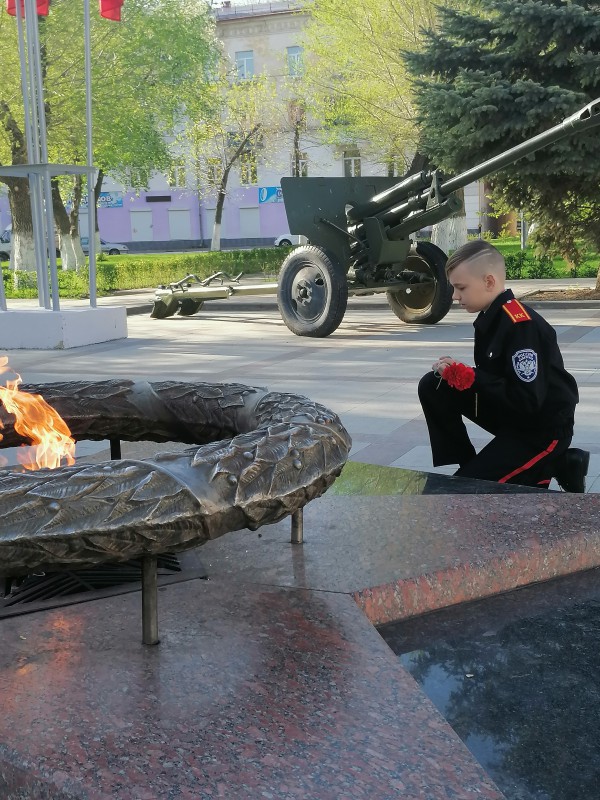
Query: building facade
x=174, y=213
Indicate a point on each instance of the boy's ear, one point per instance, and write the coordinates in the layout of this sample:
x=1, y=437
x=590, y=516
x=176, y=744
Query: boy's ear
x=489, y=280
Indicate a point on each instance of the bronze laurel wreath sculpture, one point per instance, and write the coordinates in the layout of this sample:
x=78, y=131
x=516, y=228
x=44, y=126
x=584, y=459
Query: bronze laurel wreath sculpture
x=263, y=455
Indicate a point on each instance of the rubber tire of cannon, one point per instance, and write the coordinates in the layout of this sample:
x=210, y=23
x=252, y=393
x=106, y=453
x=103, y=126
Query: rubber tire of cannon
x=189, y=306
x=319, y=275
x=162, y=310
x=429, y=310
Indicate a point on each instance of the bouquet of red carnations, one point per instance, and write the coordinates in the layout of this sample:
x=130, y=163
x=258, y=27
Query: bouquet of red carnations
x=459, y=376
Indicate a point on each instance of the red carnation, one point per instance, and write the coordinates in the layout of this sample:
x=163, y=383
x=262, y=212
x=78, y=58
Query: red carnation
x=459, y=376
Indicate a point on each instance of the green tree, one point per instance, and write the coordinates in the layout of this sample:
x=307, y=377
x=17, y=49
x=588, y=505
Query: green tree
x=361, y=88
x=149, y=73
x=360, y=81
x=237, y=134
x=501, y=71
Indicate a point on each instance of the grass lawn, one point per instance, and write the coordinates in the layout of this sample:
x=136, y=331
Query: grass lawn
x=511, y=246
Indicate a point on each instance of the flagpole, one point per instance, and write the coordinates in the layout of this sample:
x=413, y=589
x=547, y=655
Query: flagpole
x=45, y=178
x=35, y=189
x=24, y=87
x=28, y=130
x=90, y=155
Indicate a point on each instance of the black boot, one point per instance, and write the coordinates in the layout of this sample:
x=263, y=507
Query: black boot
x=571, y=470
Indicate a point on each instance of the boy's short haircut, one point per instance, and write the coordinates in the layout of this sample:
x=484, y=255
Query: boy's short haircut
x=472, y=250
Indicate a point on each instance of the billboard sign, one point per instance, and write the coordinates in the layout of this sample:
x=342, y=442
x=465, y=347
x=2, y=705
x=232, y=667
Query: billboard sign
x=106, y=200
x=270, y=194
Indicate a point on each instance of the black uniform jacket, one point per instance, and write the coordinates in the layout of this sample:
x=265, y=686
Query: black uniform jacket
x=519, y=371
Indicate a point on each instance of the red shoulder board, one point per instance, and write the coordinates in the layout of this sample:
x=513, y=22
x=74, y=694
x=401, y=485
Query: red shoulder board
x=516, y=311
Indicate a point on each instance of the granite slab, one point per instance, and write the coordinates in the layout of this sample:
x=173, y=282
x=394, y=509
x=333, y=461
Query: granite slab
x=270, y=681
x=254, y=692
x=400, y=556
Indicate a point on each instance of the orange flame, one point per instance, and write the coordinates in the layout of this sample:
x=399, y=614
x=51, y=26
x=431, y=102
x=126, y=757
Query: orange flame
x=36, y=420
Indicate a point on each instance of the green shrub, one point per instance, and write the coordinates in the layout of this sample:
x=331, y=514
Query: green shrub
x=541, y=267
x=525, y=265
x=589, y=271
x=515, y=265
x=143, y=272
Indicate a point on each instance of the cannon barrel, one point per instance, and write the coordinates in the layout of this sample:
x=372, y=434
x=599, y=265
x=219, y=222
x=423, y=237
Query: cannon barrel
x=395, y=194
x=584, y=119
x=413, y=194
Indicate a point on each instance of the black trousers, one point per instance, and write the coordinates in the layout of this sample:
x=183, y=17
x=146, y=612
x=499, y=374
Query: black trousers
x=525, y=458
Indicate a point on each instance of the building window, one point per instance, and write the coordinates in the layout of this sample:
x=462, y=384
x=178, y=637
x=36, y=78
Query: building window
x=139, y=177
x=248, y=168
x=295, y=61
x=299, y=167
x=177, y=175
x=351, y=164
x=214, y=171
x=244, y=64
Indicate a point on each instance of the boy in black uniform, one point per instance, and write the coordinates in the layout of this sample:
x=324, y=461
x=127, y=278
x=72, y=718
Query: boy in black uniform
x=518, y=390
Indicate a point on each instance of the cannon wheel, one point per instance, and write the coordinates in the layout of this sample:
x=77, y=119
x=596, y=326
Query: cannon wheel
x=426, y=303
x=312, y=292
x=189, y=306
x=162, y=309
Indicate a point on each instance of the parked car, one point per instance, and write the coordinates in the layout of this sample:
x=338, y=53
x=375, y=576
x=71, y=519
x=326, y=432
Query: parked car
x=6, y=244
x=112, y=248
x=288, y=239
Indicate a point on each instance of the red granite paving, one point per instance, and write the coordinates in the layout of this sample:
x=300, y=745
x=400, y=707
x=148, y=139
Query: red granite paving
x=269, y=681
x=253, y=692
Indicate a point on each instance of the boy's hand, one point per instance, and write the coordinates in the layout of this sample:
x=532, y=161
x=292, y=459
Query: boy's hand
x=440, y=365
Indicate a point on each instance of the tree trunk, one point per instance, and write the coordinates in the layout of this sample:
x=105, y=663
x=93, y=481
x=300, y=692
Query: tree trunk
x=75, y=208
x=71, y=254
x=296, y=150
x=215, y=242
x=22, y=254
x=494, y=223
x=451, y=233
x=97, y=190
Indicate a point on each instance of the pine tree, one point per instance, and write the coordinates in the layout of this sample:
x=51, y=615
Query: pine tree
x=500, y=71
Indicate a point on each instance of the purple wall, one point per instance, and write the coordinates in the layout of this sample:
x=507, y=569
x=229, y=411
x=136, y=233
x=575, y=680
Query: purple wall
x=117, y=224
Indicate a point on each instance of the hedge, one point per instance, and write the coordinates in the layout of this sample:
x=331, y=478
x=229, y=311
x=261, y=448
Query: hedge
x=118, y=272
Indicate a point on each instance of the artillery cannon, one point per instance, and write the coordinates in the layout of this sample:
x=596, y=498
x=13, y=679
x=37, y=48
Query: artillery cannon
x=361, y=232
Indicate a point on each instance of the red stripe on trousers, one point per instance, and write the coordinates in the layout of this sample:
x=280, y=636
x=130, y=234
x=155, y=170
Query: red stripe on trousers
x=530, y=463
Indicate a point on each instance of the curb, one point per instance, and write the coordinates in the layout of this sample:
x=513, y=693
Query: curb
x=258, y=307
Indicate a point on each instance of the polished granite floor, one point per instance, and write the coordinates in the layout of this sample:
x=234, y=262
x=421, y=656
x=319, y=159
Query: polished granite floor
x=517, y=677
x=270, y=680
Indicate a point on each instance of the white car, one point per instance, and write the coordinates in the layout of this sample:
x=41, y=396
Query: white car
x=112, y=248
x=288, y=239
x=6, y=244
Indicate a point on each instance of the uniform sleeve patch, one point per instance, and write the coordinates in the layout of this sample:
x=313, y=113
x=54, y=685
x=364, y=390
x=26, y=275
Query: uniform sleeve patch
x=516, y=311
x=525, y=364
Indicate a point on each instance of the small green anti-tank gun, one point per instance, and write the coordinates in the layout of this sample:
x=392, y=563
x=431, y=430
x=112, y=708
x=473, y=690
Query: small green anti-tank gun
x=362, y=241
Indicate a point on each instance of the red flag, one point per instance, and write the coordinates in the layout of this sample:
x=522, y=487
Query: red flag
x=111, y=9
x=42, y=7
